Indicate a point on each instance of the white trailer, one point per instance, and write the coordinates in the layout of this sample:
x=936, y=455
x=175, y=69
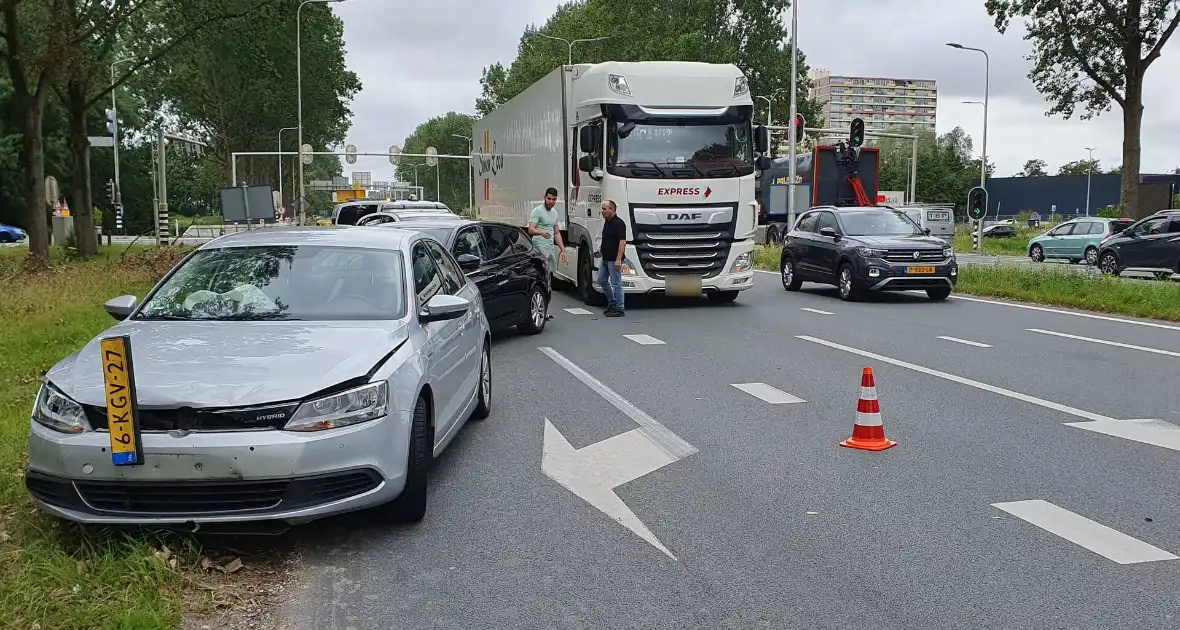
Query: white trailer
x=670, y=143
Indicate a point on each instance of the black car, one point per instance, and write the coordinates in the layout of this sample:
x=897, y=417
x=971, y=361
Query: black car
x=866, y=249
x=511, y=273
x=1151, y=244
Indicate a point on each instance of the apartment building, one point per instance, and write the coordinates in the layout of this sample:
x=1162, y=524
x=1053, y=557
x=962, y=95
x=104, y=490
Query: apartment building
x=882, y=102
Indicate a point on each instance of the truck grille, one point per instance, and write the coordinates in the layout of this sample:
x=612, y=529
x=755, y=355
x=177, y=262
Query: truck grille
x=907, y=255
x=697, y=249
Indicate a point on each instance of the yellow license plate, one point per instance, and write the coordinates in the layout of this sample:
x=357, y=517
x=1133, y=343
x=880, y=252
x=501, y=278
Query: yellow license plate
x=919, y=269
x=122, y=408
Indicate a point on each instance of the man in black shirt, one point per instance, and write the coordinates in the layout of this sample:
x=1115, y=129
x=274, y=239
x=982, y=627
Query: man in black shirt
x=612, y=248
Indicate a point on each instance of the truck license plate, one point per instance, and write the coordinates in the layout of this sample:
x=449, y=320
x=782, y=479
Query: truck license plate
x=683, y=286
x=939, y=216
x=919, y=269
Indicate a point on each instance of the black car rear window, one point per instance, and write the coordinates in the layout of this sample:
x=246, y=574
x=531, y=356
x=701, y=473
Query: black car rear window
x=349, y=215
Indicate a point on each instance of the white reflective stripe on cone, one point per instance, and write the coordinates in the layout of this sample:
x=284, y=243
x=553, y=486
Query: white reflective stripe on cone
x=868, y=393
x=868, y=419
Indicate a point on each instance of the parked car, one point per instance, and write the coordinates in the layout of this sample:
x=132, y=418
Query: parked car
x=350, y=212
x=277, y=375
x=398, y=216
x=1075, y=240
x=865, y=249
x=11, y=234
x=511, y=273
x=1151, y=244
x=997, y=231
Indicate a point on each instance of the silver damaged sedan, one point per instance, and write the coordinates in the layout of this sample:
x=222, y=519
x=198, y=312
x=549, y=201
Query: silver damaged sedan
x=280, y=374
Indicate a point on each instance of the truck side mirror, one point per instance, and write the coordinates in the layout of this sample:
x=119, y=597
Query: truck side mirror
x=762, y=163
x=586, y=163
x=586, y=140
x=761, y=139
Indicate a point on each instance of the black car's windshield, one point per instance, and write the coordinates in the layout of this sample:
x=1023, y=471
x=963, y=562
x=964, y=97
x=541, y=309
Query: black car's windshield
x=879, y=223
x=703, y=146
x=281, y=282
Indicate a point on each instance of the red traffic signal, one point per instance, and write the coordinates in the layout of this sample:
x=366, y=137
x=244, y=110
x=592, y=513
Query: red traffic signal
x=800, y=123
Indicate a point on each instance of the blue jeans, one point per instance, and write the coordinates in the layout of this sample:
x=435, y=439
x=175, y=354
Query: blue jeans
x=611, y=279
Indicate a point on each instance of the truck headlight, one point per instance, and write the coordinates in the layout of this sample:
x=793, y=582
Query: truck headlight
x=741, y=263
x=354, y=406
x=54, y=410
x=869, y=252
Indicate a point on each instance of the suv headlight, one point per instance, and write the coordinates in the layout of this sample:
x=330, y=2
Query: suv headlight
x=54, y=410
x=869, y=252
x=948, y=251
x=741, y=263
x=354, y=406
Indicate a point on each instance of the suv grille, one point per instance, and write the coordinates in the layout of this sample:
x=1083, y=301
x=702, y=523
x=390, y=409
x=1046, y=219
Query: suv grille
x=907, y=255
x=190, y=419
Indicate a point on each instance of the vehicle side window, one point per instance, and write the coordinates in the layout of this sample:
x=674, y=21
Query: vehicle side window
x=452, y=278
x=520, y=242
x=427, y=281
x=469, y=241
x=497, y=242
x=806, y=223
x=1174, y=226
x=826, y=220
x=1064, y=230
x=1151, y=226
x=1092, y=227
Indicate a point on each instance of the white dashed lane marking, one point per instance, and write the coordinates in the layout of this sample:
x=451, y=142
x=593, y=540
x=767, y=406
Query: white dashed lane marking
x=817, y=311
x=578, y=311
x=645, y=340
x=1079, y=530
x=964, y=341
x=1105, y=342
x=768, y=394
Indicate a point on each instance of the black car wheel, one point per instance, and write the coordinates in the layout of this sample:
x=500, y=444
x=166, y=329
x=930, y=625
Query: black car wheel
x=1036, y=253
x=791, y=280
x=850, y=290
x=1109, y=264
x=538, y=312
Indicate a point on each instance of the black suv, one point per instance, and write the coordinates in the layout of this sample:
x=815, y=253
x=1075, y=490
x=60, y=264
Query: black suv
x=866, y=249
x=1151, y=244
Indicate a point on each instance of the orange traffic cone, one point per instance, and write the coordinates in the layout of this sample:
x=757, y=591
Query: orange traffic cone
x=868, y=434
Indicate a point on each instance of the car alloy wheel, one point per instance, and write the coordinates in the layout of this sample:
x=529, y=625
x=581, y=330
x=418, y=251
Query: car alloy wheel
x=1091, y=255
x=1036, y=253
x=1109, y=264
x=788, y=273
x=485, y=376
x=845, y=281
x=537, y=309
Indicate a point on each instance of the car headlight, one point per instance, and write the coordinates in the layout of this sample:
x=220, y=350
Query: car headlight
x=54, y=410
x=354, y=406
x=947, y=252
x=869, y=252
x=741, y=263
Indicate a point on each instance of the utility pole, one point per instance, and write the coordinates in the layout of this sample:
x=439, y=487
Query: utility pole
x=470, y=170
x=1089, y=170
x=794, y=111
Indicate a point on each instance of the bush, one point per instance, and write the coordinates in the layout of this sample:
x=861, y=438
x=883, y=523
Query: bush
x=1111, y=212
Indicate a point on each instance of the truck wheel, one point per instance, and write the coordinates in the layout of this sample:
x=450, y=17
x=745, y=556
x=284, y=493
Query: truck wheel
x=722, y=296
x=772, y=237
x=586, y=280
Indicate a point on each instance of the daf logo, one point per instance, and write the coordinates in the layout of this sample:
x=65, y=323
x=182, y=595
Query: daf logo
x=686, y=216
x=917, y=255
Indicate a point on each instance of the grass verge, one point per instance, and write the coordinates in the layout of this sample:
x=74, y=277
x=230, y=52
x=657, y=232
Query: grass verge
x=1066, y=287
x=55, y=575
x=1012, y=246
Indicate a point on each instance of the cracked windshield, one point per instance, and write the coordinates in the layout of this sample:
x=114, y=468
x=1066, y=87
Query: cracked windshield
x=595, y=314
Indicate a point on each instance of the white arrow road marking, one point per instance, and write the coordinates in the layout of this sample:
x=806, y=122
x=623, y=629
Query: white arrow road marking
x=595, y=471
x=1154, y=432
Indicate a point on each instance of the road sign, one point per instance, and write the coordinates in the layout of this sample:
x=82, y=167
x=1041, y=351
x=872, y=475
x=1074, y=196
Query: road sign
x=51, y=192
x=101, y=141
x=430, y=159
x=350, y=154
x=977, y=203
x=395, y=155
x=307, y=158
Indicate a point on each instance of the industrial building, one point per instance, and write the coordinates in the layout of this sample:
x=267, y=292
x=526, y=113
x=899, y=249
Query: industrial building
x=882, y=102
x=1065, y=195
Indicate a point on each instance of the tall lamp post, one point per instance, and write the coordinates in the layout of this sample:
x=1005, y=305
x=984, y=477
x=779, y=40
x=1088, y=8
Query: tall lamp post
x=470, y=170
x=115, y=132
x=770, y=104
x=299, y=98
x=987, y=63
x=1089, y=170
x=794, y=111
x=570, y=43
x=280, y=161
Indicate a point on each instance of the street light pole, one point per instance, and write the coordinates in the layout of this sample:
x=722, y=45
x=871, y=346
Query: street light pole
x=299, y=98
x=470, y=170
x=570, y=43
x=1089, y=170
x=986, y=95
x=280, y=161
x=115, y=109
x=794, y=111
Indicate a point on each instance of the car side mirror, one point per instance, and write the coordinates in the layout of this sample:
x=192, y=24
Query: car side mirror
x=443, y=307
x=468, y=262
x=829, y=232
x=762, y=163
x=586, y=163
x=121, y=307
x=927, y=231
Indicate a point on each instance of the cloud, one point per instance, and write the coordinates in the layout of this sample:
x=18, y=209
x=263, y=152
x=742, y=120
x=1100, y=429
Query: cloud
x=421, y=58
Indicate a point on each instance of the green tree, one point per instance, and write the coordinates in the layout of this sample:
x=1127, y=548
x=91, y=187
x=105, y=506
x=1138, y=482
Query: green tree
x=1034, y=168
x=1118, y=170
x=1090, y=53
x=1080, y=167
x=747, y=33
x=448, y=134
x=946, y=168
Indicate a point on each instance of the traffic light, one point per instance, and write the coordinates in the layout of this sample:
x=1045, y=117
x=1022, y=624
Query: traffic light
x=857, y=135
x=800, y=123
x=977, y=203
x=111, y=190
x=112, y=121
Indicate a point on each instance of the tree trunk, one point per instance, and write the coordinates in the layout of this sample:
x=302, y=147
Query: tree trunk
x=33, y=160
x=1132, y=147
x=82, y=206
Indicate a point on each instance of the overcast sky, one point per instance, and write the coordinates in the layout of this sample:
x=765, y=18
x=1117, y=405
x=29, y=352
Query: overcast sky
x=421, y=58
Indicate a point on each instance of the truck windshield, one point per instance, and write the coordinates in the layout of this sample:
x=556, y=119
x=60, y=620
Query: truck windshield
x=664, y=149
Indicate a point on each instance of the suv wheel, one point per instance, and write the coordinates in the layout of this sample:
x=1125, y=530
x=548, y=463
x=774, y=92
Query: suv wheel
x=1109, y=263
x=791, y=280
x=850, y=289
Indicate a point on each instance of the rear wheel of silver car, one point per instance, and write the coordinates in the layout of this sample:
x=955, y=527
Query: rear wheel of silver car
x=1036, y=253
x=538, y=313
x=410, y=505
x=1091, y=255
x=849, y=291
x=791, y=280
x=483, y=407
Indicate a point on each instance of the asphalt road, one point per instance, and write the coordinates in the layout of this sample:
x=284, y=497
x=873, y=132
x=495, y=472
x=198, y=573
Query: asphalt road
x=764, y=521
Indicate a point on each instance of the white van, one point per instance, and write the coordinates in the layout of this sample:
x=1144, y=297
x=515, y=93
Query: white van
x=940, y=219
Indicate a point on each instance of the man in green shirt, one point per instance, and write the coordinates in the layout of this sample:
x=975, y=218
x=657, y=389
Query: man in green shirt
x=544, y=228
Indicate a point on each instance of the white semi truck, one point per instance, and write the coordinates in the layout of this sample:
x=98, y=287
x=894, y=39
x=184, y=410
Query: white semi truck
x=670, y=143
